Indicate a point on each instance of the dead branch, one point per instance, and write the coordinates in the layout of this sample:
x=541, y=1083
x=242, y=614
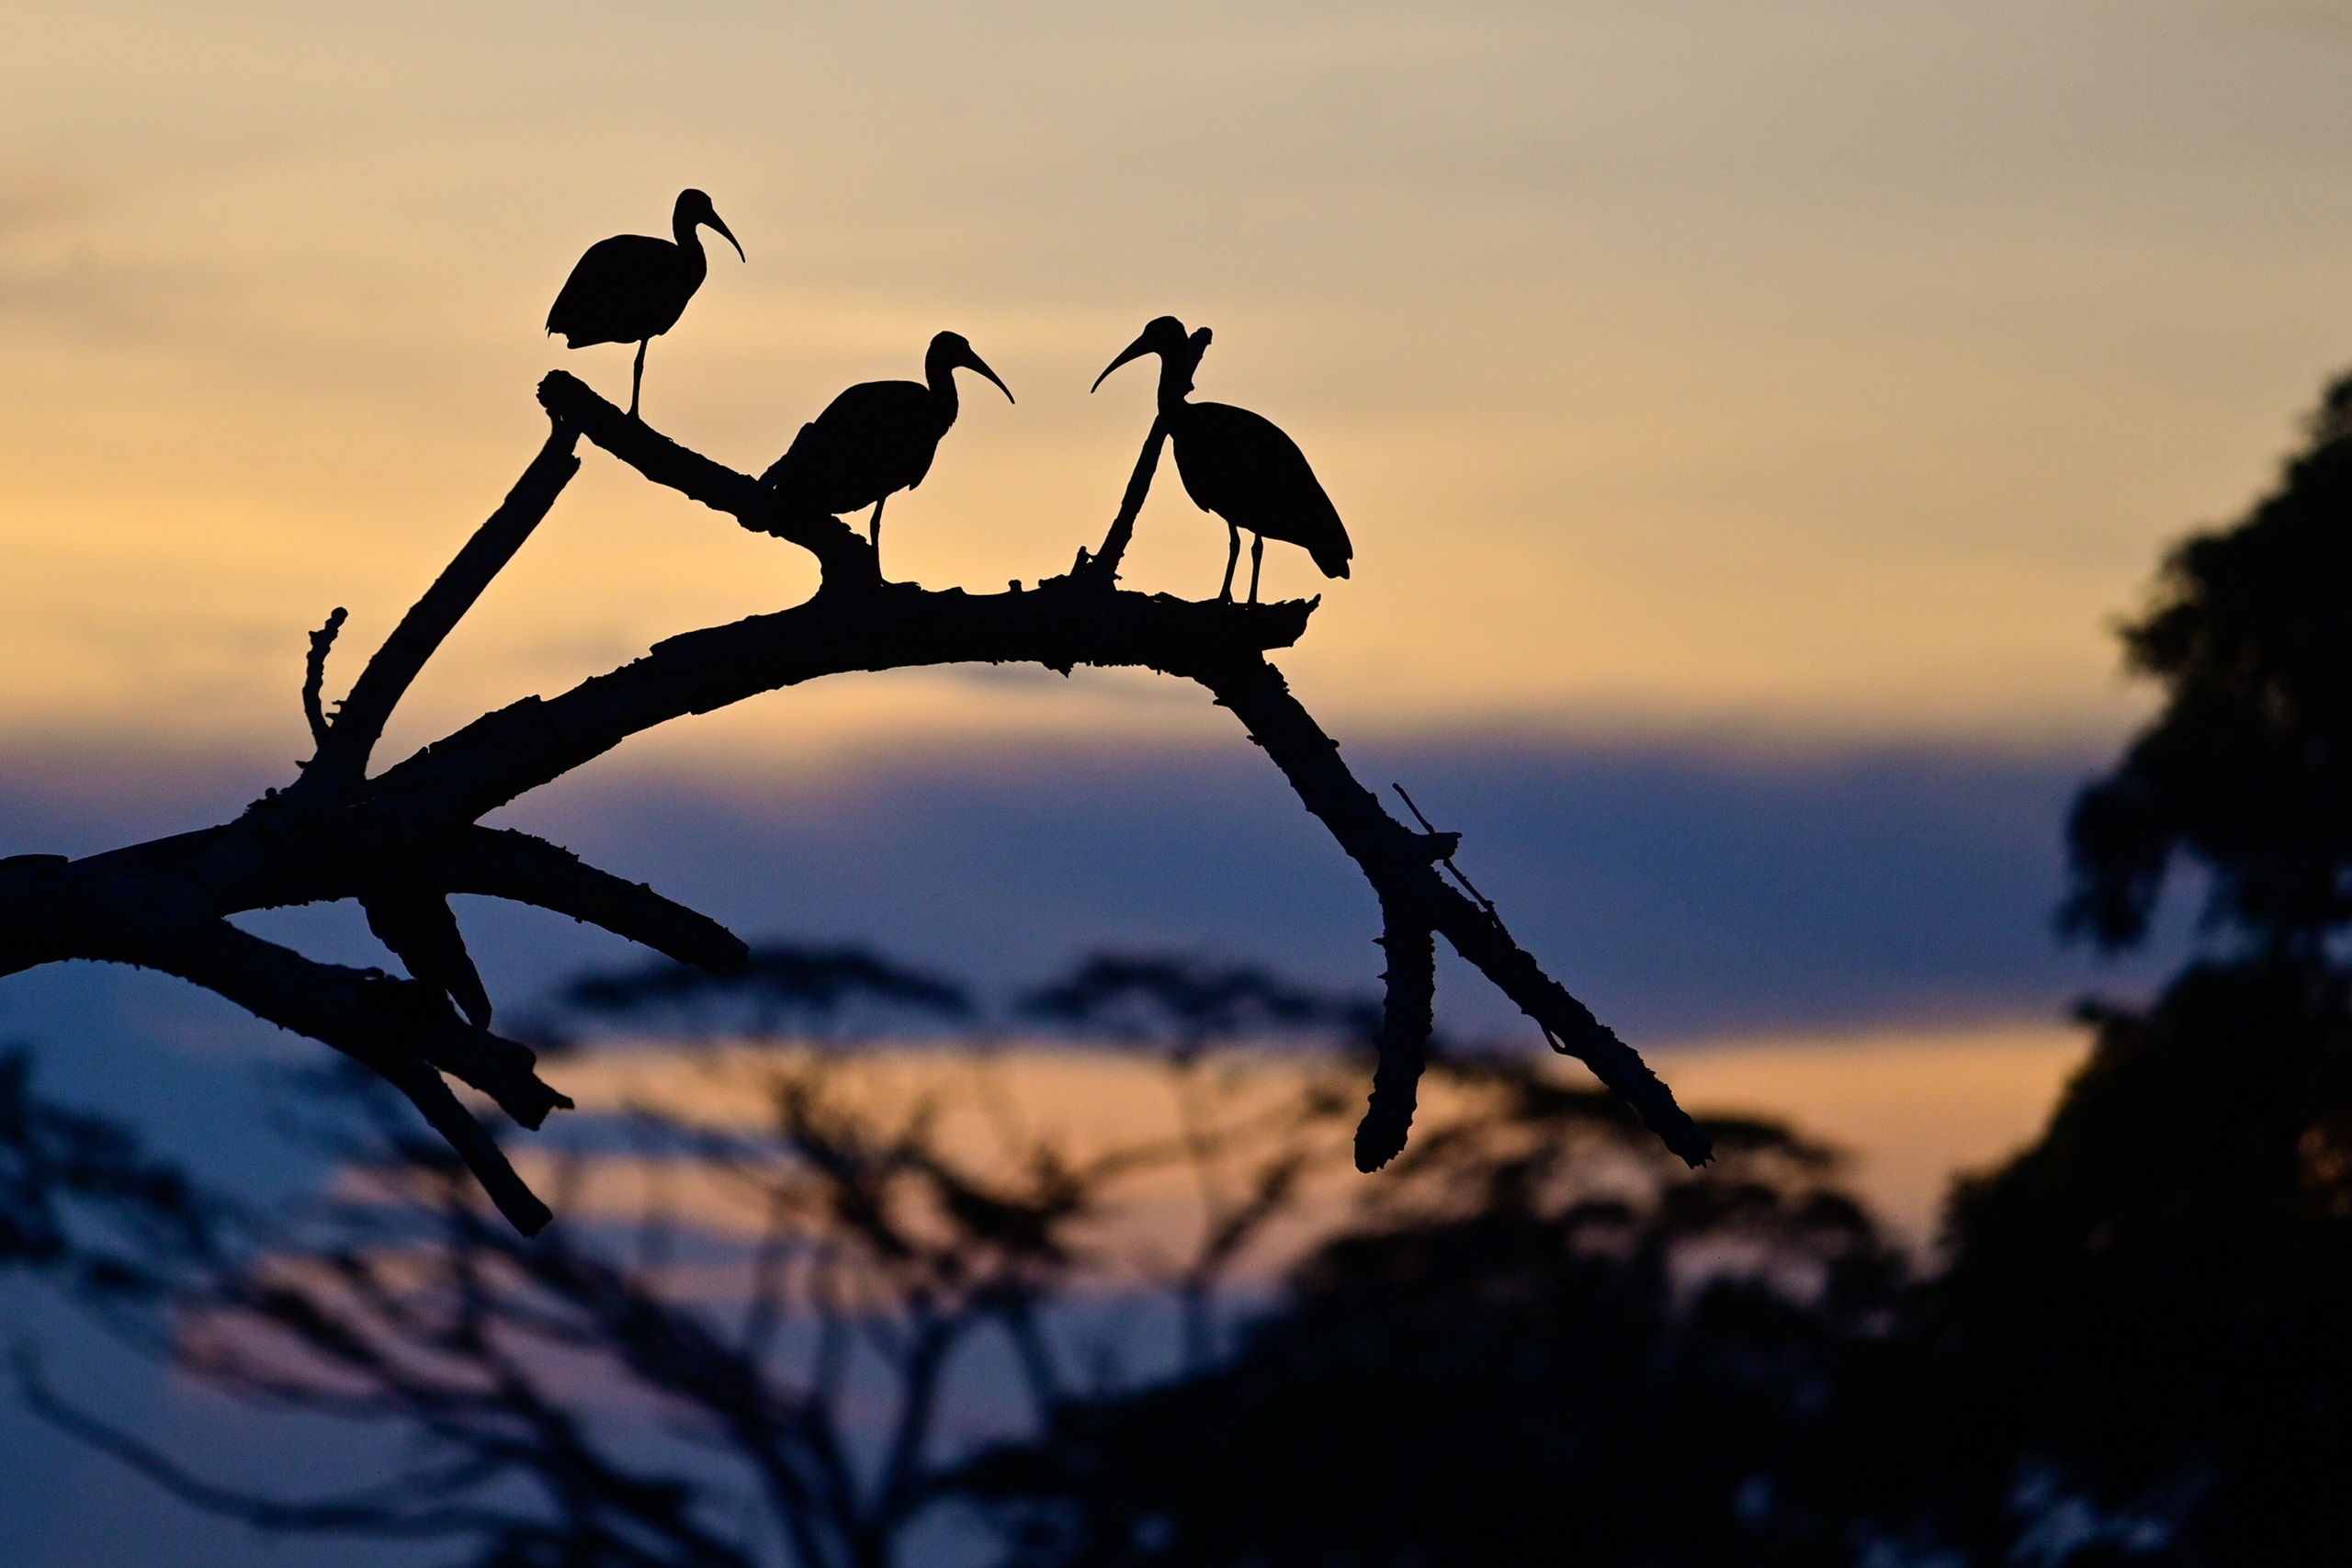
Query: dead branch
x=314, y=674
x=1406, y=1020
x=343, y=756
x=402, y=840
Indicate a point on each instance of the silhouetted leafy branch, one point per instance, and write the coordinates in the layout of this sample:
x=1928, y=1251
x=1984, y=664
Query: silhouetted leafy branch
x=402, y=840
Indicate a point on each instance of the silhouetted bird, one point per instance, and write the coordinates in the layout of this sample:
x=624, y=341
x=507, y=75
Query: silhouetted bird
x=1238, y=465
x=876, y=439
x=633, y=287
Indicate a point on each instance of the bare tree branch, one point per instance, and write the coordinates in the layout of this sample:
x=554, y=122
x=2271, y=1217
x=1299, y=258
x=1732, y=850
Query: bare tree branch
x=343, y=756
x=1399, y=861
x=1405, y=1027
x=1103, y=569
x=315, y=675
x=404, y=840
x=847, y=559
x=502, y=863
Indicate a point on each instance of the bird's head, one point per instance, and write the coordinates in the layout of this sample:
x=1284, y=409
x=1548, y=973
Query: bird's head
x=695, y=208
x=1165, y=337
x=953, y=351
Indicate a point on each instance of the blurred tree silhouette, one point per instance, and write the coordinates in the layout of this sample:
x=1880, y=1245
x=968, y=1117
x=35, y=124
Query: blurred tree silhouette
x=771, y=1340
x=1186, y=1008
x=2248, y=768
x=83, y=1205
x=2143, y=1315
x=781, y=988
x=1545, y=1344
x=1187, y=1004
x=2137, y=1345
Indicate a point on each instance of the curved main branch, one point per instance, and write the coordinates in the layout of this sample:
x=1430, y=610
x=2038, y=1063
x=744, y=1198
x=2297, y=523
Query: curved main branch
x=408, y=837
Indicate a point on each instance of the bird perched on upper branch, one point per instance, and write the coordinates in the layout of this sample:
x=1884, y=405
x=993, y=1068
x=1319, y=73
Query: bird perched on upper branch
x=1236, y=464
x=633, y=287
x=876, y=439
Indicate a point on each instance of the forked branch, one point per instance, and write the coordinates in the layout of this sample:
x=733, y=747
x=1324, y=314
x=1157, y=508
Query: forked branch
x=404, y=840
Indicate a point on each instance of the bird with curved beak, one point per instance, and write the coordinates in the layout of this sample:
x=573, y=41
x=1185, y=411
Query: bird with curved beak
x=633, y=287
x=1238, y=464
x=876, y=439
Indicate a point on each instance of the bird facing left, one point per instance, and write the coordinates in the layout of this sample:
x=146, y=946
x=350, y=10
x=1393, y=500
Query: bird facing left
x=633, y=287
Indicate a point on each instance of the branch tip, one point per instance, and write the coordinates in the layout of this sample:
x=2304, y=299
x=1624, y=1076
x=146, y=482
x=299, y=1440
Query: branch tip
x=314, y=676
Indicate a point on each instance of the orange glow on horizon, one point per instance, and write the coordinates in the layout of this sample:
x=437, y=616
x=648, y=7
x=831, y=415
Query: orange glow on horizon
x=1820, y=370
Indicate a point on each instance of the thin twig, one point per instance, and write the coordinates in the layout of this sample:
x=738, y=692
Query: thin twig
x=1447, y=861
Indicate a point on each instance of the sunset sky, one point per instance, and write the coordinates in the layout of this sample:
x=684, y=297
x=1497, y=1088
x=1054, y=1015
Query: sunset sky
x=1792, y=371
x=1752, y=421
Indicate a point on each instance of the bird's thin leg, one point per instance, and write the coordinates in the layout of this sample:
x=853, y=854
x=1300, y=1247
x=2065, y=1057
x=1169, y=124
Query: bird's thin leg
x=636, y=376
x=874, y=535
x=1232, y=558
x=1256, y=560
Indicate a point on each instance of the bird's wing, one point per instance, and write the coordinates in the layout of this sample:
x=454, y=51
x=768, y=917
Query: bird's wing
x=616, y=293
x=1244, y=468
x=874, y=438
x=778, y=471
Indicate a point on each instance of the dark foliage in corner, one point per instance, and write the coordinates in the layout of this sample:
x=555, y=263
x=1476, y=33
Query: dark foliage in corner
x=2144, y=1312
x=2138, y=1335
x=2248, y=769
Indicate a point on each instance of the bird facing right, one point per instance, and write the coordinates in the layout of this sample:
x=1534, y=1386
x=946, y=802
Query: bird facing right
x=633, y=287
x=877, y=438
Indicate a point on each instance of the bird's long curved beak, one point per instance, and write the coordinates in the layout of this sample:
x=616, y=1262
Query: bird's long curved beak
x=1134, y=350
x=721, y=224
x=974, y=362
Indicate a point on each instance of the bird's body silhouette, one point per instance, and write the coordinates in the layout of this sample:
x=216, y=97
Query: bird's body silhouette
x=1236, y=464
x=633, y=287
x=876, y=439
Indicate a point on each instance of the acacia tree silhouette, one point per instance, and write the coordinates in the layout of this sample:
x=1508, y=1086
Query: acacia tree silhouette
x=810, y=1304
x=1185, y=1009
x=402, y=841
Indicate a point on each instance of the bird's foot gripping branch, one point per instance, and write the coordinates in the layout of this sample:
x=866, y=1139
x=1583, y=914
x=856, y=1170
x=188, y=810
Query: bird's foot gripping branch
x=402, y=841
